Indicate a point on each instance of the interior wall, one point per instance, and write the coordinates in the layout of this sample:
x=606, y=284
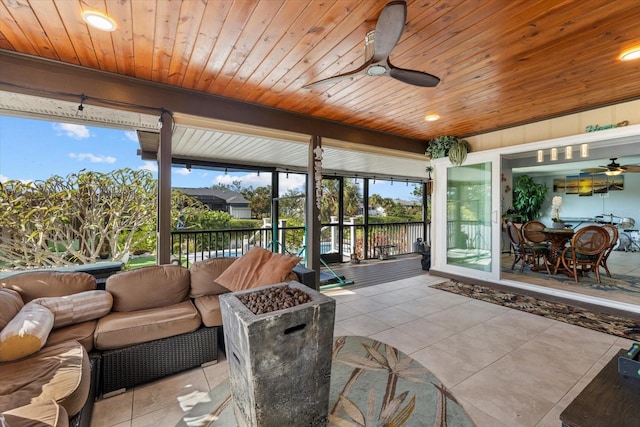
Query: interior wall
x=572, y=124
x=625, y=203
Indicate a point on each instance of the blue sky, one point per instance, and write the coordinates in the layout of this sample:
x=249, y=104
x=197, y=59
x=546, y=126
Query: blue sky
x=35, y=150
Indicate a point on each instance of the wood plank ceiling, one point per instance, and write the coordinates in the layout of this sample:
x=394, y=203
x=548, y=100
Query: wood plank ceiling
x=501, y=63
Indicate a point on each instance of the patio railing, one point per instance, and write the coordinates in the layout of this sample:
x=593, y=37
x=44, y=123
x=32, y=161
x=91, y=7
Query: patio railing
x=189, y=246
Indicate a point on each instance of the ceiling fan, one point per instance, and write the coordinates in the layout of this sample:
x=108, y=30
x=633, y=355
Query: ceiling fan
x=378, y=46
x=613, y=168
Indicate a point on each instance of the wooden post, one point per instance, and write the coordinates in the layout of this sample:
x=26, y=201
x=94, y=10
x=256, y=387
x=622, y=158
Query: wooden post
x=163, y=244
x=314, y=194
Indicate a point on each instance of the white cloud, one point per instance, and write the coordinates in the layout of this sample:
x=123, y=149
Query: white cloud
x=72, y=131
x=182, y=171
x=4, y=178
x=92, y=158
x=131, y=135
x=295, y=181
x=149, y=166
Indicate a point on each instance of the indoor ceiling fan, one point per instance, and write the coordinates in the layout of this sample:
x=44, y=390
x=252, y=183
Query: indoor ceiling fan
x=613, y=168
x=378, y=46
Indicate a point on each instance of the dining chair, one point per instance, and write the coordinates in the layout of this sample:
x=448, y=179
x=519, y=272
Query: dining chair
x=613, y=239
x=529, y=254
x=586, y=251
x=532, y=232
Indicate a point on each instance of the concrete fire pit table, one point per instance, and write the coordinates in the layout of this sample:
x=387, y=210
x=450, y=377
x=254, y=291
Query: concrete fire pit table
x=279, y=361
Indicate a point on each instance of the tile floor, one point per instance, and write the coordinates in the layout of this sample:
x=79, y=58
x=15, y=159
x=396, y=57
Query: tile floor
x=506, y=367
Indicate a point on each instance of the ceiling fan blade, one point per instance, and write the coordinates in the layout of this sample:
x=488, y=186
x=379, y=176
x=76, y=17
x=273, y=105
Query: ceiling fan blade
x=413, y=77
x=389, y=29
x=593, y=170
x=631, y=168
x=361, y=70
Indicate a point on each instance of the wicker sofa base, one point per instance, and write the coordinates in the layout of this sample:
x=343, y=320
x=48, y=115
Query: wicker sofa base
x=125, y=367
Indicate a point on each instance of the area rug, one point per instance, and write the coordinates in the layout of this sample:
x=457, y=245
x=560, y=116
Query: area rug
x=602, y=322
x=372, y=384
x=620, y=287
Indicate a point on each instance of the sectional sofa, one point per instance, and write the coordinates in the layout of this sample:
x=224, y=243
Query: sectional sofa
x=64, y=341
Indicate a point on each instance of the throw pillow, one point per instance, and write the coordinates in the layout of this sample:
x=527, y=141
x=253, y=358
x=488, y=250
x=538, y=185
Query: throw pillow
x=77, y=308
x=10, y=305
x=26, y=333
x=204, y=275
x=258, y=267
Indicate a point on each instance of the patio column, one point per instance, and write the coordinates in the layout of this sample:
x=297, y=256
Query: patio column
x=163, y=243
x=314, y=193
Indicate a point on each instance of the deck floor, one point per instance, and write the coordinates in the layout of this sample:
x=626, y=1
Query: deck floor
x=374, y=271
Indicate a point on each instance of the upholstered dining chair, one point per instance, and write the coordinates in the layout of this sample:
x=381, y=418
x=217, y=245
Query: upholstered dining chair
x=532, y=232
x=613, y=239
x=586, y=251
x=527, y=253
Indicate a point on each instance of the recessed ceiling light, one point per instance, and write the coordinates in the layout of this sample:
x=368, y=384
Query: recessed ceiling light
x=431, y=117
x=630, y=54
x=99, y=20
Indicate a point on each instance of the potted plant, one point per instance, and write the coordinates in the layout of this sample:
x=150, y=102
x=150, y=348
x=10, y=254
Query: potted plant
x=528, y=197
x=451, y=146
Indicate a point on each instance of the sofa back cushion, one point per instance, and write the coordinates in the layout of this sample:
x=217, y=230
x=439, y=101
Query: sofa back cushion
x=77, y=308
x=10, y=305
x=148, y=287
x=35, y=284
x=204, y=275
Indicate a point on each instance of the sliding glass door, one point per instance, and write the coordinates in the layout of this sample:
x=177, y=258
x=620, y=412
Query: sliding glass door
x=469, y=216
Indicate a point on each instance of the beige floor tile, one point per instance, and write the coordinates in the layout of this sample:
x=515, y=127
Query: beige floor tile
x=217, y=373
x=113, y=410
x=444, y=365
x=426, y=332
x=479, y=418
x=165, y=392
x=461, y=316
x=364, y=325
x=168, y=415
x=366, y=305
x=394, y=316
x=552, y=418
x=344, y=311
x=503, y=399
x=391, y=298
x=395, y=337
x=340, y=331
x=123, y=424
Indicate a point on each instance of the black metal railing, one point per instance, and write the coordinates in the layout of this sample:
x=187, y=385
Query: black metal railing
x=189, y=246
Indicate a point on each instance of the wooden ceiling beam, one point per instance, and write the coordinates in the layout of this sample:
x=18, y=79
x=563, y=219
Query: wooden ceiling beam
x=52, y=79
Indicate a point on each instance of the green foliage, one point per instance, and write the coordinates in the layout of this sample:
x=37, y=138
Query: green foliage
x=91, y=208
x=259, y=201
x=528, y=197
x=451, y=146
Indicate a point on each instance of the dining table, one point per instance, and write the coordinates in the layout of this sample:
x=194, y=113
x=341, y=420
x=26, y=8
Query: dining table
x=557, y=238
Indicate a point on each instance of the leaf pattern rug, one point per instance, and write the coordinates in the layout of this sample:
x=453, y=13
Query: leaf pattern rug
x=372, y=384
x=615, y=325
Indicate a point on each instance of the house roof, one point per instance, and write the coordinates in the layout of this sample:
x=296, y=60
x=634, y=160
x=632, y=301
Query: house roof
x=229, y=196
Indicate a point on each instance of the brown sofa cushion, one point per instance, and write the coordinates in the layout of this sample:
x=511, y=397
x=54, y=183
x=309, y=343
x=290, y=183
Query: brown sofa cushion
x=77, y=308
x=257, y=267
x=81, y=332
x=120, y=329
x=36, y=284
x=204, y=275
x=48, y=414
x=10, y=305
x=148, y=287
x=209, y=308
x=60, y=373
